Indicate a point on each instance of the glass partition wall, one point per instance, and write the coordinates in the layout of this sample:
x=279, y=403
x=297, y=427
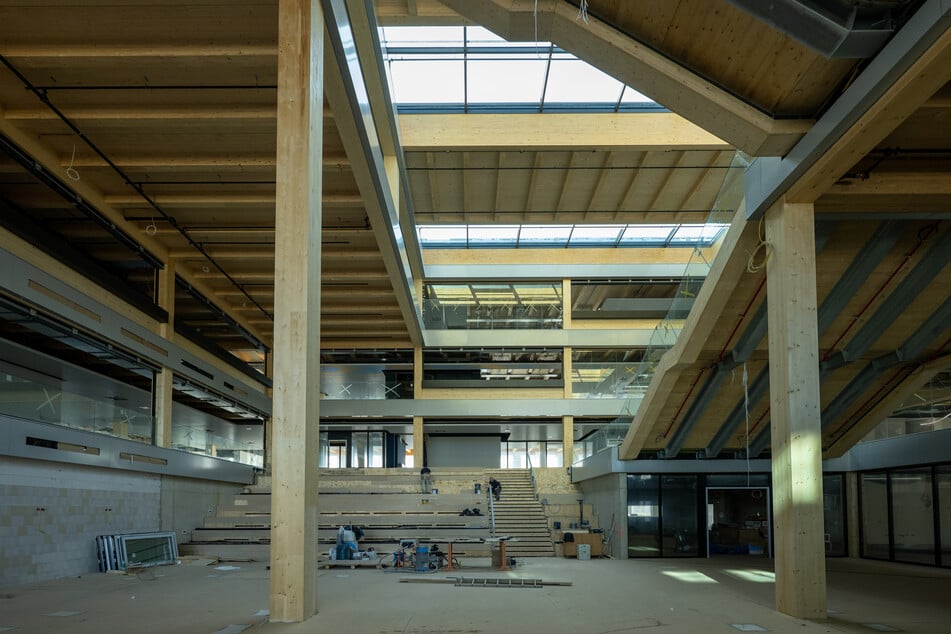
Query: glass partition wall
x=690, y=515
x=906, y=515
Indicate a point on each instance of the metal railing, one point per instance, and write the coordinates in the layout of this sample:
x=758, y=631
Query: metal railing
x=491, y=512
x=531, y=472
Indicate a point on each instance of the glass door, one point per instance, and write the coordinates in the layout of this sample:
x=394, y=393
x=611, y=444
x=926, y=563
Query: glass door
x=738, y=521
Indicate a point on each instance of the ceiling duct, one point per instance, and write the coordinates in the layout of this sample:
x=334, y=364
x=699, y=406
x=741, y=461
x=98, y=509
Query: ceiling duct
x=844, y=29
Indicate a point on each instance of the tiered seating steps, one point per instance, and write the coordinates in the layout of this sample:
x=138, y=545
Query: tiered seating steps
x=388, y=507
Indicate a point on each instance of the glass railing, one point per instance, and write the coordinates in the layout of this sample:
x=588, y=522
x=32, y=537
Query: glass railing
x=365, y=390
x=204, y=434
x=125, y=414
x=245, y=446
x=895, y=427
x=665, y=334
x=492, y=306
x=606, y=374
x=47, y=401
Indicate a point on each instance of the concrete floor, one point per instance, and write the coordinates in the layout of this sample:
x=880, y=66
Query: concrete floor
x=607, y=596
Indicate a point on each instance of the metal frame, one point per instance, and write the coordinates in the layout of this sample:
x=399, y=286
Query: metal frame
x=113, y=550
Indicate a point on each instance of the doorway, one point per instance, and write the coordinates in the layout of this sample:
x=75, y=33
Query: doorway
x=738, y=521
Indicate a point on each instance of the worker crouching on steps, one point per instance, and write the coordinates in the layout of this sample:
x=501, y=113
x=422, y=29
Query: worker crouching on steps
x=496, y=487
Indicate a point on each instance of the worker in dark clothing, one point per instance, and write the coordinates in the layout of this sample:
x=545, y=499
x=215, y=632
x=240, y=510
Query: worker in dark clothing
x=426, y=479
x=496, y=487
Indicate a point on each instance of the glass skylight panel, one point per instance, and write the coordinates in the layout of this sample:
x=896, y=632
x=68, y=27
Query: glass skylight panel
x=506, y=80
x=646, y=234
x=697, y=234
x=443, y=235
x=493, y=235
x=544, y=235
x=428, y=81
x=428, y=68
x=595, y=235
x=561, y=236
x=574, y=81
x=631, y=96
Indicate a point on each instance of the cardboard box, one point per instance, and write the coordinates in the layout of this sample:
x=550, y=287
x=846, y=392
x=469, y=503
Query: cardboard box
x=595, y=540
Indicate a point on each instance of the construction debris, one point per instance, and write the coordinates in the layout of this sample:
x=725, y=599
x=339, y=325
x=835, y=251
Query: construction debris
x=486, y=582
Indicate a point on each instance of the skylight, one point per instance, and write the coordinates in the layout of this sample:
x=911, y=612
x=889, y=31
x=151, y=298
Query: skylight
x=470, y=69
x=568, y=236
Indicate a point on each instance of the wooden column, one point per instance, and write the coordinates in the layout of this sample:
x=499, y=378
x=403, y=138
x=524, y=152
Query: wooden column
x=296, y=394
x=568, y=438
x=268, y=423
x=794, y=411
x=162, y=390
x=566, y=371
x=418, y=370
x=566, y=304
x=418, y=442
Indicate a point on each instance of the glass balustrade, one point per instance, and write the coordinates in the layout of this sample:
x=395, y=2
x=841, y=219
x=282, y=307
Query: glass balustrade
x=125, y=414
x=492, y=306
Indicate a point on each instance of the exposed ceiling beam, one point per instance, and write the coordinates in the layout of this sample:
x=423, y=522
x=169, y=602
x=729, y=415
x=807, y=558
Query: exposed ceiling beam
x=554, y=131
x=899, y=394
x=640, y=66
x=913, y=348
x=195, y=161
x=107, y=50
x=346, y=93
x=194, y=200
x=914, y=283
x=921, y=183
x=143, y=113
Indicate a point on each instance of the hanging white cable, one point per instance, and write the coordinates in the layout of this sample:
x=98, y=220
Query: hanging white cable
x=583, y=11
x=536, y=23
x=70, y=172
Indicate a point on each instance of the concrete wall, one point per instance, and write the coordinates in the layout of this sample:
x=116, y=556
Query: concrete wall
x=52, y=513
x=463, y=451
x=607, y=497
x=559, y=496
x=185, y=502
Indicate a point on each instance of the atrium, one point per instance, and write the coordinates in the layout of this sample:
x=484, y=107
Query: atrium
x=659, y=254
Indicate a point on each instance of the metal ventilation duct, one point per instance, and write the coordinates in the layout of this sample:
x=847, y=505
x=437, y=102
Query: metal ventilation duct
x=845, y=29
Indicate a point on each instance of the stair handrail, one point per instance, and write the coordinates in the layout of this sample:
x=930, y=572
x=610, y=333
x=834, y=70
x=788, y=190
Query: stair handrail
x=531, y=472
x=491, y=513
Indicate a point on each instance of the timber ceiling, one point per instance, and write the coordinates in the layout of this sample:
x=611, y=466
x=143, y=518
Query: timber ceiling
x=166, y=113
x=565, y=187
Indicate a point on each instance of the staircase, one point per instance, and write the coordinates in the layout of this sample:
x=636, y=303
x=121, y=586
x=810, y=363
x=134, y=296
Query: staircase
x=519, y=515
